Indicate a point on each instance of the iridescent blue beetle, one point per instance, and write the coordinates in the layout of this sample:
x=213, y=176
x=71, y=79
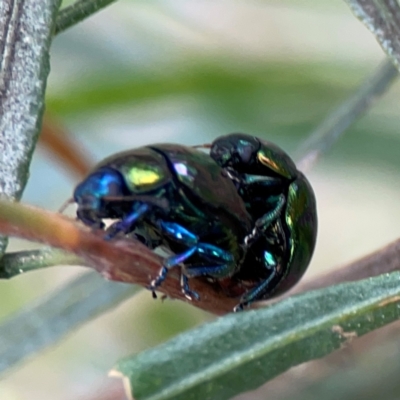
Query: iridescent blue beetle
x=170, y=196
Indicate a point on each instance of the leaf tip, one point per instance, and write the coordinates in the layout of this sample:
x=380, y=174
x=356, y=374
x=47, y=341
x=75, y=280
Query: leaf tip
x=114, y=373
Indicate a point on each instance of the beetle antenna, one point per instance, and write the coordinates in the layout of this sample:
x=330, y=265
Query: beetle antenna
x=66, y=204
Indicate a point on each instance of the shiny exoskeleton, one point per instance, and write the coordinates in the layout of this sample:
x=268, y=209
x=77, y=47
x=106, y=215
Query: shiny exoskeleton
x=282, y=204
x=171, y=196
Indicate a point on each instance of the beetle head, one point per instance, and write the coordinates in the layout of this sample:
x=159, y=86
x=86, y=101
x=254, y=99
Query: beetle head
x=89, y=195
x=234, y=150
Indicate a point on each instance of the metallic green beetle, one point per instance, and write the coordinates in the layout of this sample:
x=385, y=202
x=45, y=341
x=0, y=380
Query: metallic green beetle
x=282, y=203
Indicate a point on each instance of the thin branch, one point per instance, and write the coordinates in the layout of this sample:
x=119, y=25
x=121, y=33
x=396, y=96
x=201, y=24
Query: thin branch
x=77, y=12
x=124, y=260
x=333, y=127
x=12, y=264
x=57, y=140
x=127, y=260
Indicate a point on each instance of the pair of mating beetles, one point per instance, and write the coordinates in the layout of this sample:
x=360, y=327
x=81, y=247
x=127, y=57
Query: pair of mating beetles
x=243, y=215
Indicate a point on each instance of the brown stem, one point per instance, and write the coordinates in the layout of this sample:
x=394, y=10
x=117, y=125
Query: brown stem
x=129, y=261
x=124, y=260
x=58, y=142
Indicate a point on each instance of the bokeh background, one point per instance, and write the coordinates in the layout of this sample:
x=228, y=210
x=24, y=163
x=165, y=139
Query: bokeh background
x=141, y=72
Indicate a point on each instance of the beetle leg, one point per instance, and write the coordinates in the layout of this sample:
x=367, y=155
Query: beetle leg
x=169, y=263
x=224, y=264
x=125, y=225
x=189, y=294
x=221, y=262
x=178, y=233
x=258, y=291
x=183, y=235
x=262, y=224
x=248, y=179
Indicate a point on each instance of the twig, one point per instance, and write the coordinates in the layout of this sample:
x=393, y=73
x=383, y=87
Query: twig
x=55, y=138
x=77, y=12
x=332, y=128
x=12, y=264
x=131, y=262
x=124, y=260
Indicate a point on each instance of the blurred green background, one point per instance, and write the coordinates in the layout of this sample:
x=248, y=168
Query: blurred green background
x=177, y=71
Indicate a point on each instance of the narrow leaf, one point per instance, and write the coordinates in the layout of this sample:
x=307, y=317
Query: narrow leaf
x=337, y=123
x=44, y=322
x=382, y=18
x=25, y=36
x=240, y=352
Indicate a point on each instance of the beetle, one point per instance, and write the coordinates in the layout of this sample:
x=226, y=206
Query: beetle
x=282, y=203
x=243, y=216
x=172, y=196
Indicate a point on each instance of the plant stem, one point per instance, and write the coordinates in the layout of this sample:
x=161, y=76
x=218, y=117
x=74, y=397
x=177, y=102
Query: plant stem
x=77, y=12
x=333, y=127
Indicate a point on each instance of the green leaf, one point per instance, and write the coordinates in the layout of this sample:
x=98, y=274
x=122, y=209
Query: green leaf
x=273, y=84
x=240, y=352
x=370, y=374
x=43, y=322
x=382, y=18
x=24, y=52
